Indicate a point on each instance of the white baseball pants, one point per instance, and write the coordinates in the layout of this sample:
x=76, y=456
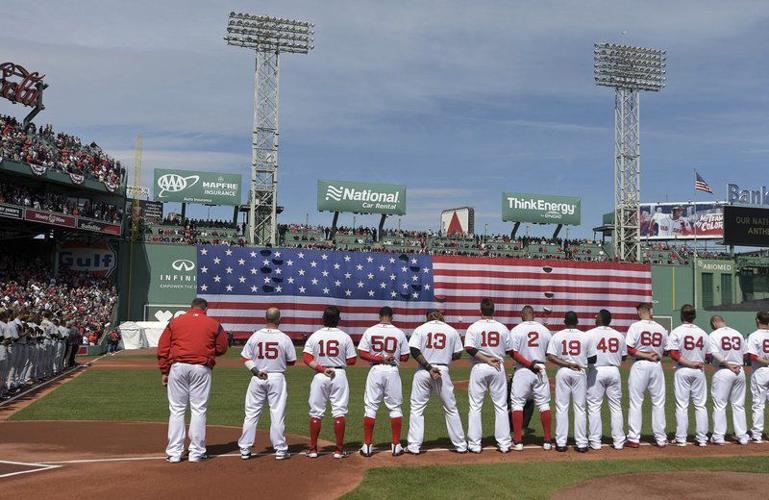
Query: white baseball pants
x=726, y=387
x=486, y=378
x=422, y=388
x=646, y=375
x=570, y=385
x=324, y=390
x=759, y=388
x=605, y=381
x=4, y=366
x=260, y=392
x=188, y=385
x=689, y=385
x=383, y=383
x=527, y=383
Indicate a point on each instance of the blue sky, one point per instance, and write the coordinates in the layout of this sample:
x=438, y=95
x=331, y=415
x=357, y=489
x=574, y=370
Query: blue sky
x=458, y=100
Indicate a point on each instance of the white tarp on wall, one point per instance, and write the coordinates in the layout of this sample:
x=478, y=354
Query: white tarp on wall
x=141, y=334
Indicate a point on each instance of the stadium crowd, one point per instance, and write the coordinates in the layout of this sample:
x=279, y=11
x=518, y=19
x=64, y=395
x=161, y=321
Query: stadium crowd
x=45, y=317
x=194, y=232
x=61, y=152
x=40, y=199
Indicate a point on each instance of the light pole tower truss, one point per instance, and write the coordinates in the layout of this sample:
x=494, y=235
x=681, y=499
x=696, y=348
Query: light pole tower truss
x=628, y=70
x=268, y=37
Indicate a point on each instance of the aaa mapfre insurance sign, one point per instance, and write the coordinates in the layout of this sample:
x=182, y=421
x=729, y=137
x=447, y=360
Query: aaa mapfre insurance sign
x=361, y=198
x=187, y=186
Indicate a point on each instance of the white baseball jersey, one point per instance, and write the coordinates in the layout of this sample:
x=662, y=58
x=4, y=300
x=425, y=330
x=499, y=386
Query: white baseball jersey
x=670, y=227
x=691, y=341
x=609, y=345
x=331, y=347
x=490, y=337
x=530, y=339
x=758, y=345
x=571, y=345
x=647, y=336
x=270, y=350
x=437, y=341
x=729, y=344
x=383, y=339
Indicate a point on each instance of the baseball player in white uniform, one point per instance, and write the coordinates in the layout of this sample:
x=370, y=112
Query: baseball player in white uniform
x=4, y=362
x=572, y=350
x=728, y=348
x=646, y=340
x=266, y=355
x=529, y=341
x=603, y=379
x=487, y=341
x=328, y=351
x=384, y=346
x=689, y=346
x=758, y=350
x=434, y=345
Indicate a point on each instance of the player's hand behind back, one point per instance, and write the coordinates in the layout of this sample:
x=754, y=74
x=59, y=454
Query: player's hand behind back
x=435, y=373
x=494, y=363
x=330, y=373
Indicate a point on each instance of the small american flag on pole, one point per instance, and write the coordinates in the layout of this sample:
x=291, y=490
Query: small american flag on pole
x=700, y=184
x=240, y=283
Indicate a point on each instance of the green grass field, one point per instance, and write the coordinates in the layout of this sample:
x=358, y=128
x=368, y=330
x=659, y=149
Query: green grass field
x=136, y=395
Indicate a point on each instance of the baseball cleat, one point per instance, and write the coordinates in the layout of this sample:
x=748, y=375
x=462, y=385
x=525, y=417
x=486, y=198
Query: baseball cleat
x=173, y=460
x=581, y=449
x=475, y=450
x=547, y=446
x=702, y=444
x=595, y=446
x=245, y=454
x=503, y=450
x=280, y=455
x=366, y=450
x=632, y=444
x=717, y=442
x=662, y=444
x=411, y=451
x=312, y=453
x=396, y=449
x=519, y=446
x=757, y=440
x=339, y=454
x=681, y=444
x=560, y=449
x=461, y=451
x=742, y=441
x=617, y=447
x=199, y=458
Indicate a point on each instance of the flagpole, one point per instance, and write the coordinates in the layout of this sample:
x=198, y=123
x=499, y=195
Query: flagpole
x=695, y=240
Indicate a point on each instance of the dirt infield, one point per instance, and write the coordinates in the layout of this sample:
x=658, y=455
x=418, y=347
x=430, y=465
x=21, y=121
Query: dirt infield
x=670, y=486
x=126, y=459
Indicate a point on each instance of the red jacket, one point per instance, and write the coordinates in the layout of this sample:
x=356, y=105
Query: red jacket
x=191, y=338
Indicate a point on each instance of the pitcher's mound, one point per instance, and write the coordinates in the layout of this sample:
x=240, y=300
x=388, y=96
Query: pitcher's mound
x=670, y=485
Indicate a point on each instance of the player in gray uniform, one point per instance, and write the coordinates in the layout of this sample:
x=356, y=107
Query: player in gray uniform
x=13, y=332
x=61, y=347
x=3, y=353
x=50, y=332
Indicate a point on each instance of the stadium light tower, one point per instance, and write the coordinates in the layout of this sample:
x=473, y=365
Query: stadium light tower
x=269, y=37
x=628, y=70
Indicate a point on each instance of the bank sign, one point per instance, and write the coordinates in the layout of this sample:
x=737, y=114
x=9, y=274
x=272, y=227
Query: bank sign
x=188, y=186
x=754, y=196
x=541, y=208
x=361, y=198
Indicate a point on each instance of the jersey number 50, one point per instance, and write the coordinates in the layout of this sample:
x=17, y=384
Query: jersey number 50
x=384, y=344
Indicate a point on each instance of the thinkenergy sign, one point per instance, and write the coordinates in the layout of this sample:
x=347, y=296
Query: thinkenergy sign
x=187, y=186
x=362, y=198
x=541, y=208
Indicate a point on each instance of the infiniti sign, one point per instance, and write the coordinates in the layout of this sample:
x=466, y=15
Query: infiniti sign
x=173, y=183
x=183, y=265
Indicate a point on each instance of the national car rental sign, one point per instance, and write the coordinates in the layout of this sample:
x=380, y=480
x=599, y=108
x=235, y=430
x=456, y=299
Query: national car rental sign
x=361, y=197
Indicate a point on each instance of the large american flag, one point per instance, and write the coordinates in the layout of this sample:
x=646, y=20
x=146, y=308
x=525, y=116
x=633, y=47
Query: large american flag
x=240, y=283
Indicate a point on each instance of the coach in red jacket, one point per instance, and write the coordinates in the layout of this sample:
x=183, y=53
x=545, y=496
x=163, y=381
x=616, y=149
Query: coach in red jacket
x=186, y=354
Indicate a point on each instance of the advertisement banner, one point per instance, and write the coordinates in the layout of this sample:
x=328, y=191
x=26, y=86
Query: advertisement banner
x=49, y=218
x=458, y=221
x=361, y=197
x=187, y=186
x=150, y=211
x=98, y=226
x=11, y=212
x=746, y=226
x=93, y=257
x=541, y=208
x=669, y=221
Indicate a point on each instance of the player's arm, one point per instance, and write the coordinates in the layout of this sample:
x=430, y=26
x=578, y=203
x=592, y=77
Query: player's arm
x=221, y=344
x=473, y=351
x=434, y=371
x=562, y=363
x=351, y=357
x=675, y=355
x=164, y=354
x=757, y=359
x=309, y=360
